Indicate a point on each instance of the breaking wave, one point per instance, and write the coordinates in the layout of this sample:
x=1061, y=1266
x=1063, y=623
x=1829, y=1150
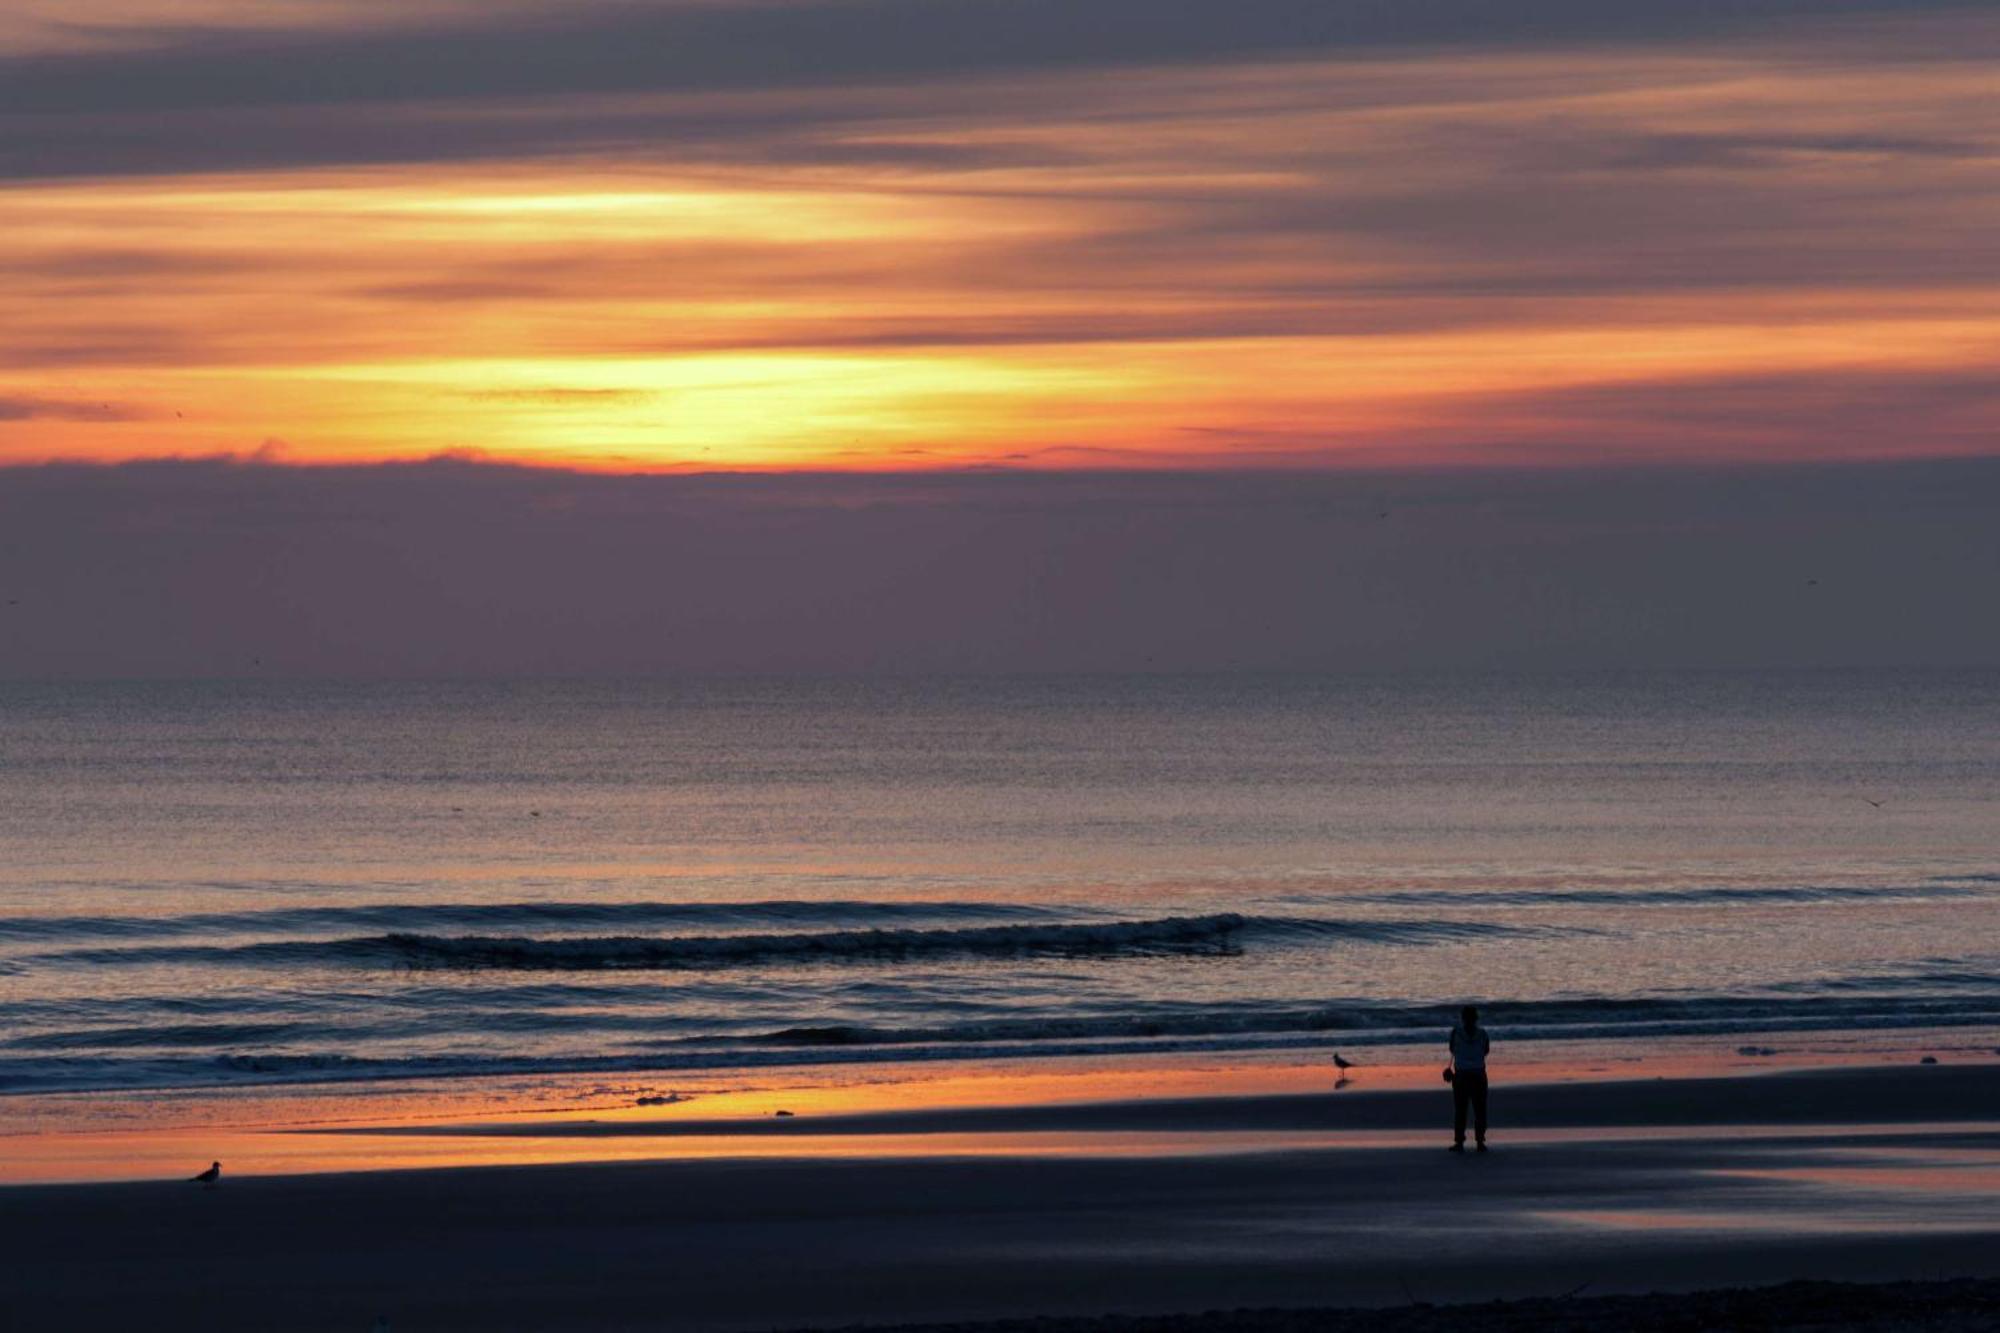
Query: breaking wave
x=529, y=916
x=1216, y=933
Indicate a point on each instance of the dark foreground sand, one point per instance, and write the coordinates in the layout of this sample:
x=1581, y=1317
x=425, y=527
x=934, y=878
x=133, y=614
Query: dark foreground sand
x=1967, y=1305
x=1860, y=1176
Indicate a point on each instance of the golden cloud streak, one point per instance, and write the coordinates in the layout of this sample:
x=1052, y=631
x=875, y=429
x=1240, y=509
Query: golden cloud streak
x=1299, y=264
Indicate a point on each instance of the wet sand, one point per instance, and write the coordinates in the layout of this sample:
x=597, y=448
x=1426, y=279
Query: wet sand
x=1148, y=1207
x=1881, y=1095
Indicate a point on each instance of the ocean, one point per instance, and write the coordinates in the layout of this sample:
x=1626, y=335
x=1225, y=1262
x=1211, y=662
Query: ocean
x=239, y=884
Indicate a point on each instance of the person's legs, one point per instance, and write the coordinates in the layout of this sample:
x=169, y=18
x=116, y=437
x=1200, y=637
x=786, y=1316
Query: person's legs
x=1461, y=1094
x=1478, y=1095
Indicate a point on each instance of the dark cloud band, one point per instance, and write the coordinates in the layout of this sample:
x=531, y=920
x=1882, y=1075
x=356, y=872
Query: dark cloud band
x=606, y=48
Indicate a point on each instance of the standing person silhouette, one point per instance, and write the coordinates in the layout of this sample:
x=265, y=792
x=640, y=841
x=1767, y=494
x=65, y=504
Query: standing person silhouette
x=1469, y=1044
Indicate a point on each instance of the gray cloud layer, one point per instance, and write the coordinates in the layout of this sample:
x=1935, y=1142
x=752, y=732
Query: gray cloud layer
x=210, y=568
x=173, y=99
x=601, y=47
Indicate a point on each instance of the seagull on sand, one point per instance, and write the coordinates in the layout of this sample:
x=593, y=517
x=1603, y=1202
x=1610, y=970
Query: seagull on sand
x=208, y=1177
x=1342, y=1062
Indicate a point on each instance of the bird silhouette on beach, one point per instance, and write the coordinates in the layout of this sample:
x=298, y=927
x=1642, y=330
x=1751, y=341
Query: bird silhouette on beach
x=1342, y=1062
x=208, y=1177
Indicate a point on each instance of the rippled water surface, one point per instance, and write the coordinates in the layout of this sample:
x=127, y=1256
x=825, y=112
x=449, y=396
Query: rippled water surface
x=215, y=883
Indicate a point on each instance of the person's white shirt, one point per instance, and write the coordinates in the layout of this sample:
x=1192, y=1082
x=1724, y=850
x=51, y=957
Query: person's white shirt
x=1468, y=1049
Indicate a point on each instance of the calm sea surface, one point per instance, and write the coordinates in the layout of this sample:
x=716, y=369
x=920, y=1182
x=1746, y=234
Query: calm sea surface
x=211, y=884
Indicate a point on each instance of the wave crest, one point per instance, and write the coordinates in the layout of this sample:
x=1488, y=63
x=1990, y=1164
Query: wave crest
x=1220, y=933
x=1174, y=934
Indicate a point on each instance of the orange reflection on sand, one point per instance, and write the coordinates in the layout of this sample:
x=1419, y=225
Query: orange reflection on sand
x=1942, y=1170
x=1777, y=1221
x=582, y=1118
x=176, y=1155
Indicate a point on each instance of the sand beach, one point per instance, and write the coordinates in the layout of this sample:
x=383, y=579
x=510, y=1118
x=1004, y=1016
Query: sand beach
x=1141, y=1207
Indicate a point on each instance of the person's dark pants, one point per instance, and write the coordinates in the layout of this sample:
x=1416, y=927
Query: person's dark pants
x=1468, y=1089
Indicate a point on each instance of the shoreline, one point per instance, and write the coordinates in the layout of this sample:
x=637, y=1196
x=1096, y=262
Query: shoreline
x=1124, y=1105
x=1024, y=1106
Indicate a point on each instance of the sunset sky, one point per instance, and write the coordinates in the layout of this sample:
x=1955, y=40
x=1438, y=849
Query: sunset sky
x=886, y=234
x=1008, y=334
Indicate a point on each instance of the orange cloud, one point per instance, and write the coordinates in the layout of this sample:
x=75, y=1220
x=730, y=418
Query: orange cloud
x=1662, y=251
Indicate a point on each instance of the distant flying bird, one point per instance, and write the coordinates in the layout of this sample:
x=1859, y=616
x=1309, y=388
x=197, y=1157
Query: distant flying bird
x=208, y=1177
x=1342, y=1062
x=1812, y=583
x=1876, y=804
